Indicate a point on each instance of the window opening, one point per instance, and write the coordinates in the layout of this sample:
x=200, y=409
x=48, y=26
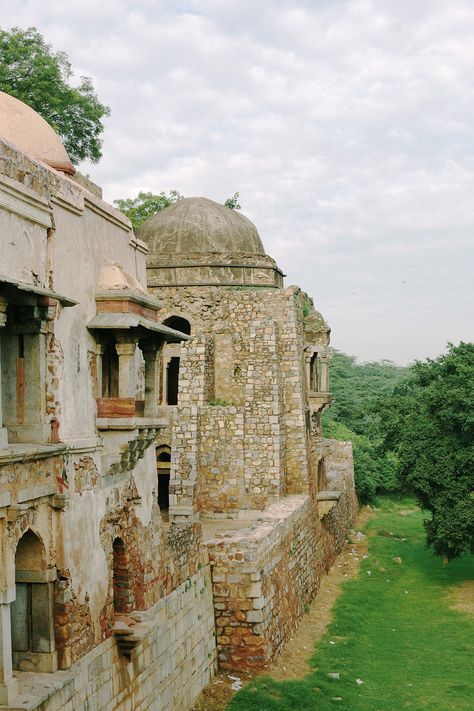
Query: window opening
x=110, y=371
x=163, y=472
x=172, y=382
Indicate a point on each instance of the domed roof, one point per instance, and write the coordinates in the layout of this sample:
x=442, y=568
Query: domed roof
x=28, y=131
x=198, y=225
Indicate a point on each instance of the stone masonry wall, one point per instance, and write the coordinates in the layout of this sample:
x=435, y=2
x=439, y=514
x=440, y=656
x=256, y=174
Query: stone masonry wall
x=264, y=575
x=173, y=661
x=257, y=362
x=236, y=320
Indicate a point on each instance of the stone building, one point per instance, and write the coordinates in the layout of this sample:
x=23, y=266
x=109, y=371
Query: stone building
x=163, y=474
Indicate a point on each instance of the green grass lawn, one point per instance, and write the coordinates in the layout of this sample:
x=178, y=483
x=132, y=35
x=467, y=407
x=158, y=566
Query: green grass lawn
x=393, y=630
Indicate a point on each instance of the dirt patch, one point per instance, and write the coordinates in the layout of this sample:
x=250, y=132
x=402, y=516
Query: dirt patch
x=462, y=597
x=293, y=662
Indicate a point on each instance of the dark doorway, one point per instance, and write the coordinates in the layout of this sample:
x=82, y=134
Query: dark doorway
x=172, y=382
x=163, y=491
x=163, y=470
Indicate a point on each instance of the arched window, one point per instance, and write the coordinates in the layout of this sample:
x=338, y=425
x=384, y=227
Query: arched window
x=170, y=385
x=32, y=610
x=123, y=597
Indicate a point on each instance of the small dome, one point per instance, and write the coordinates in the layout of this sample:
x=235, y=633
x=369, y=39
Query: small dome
x=113, y=276
x=31, y=134
x=200, y=226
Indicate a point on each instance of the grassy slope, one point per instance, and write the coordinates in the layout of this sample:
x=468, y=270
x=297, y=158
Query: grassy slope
x=393, y=629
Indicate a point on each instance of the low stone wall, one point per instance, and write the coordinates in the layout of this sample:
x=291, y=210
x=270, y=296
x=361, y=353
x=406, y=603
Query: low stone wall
x=168, y=668
x=265, y=574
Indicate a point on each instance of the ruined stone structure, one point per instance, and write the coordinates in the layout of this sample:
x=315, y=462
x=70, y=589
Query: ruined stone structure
x=167, y=500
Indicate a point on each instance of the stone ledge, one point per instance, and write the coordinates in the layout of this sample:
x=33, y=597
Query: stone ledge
x=27, y=451
x=129, y=423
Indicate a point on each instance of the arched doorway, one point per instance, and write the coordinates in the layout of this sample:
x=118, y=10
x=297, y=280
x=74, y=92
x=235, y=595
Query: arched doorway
x=32, y=610
x=163, y=463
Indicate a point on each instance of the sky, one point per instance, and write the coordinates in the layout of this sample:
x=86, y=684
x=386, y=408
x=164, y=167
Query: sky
x=345, y=125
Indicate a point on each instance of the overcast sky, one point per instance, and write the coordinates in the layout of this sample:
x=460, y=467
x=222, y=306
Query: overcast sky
x=346, y=126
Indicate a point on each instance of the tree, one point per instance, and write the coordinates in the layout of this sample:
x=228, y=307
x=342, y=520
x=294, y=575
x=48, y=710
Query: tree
x=146, y=205
x=33, y=73
x=233, y=202
x=428, y=423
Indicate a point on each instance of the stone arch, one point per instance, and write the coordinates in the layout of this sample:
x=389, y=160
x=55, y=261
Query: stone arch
x=30, y=552
x=179, y=322
x=33, y=645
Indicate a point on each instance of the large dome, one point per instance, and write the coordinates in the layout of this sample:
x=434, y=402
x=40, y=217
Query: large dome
x=28, y=131
x=198, y=242
x=198, y=225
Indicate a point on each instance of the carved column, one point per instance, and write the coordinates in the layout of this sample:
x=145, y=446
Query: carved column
x=127, y=379
x=151, y=356
x=3, y=319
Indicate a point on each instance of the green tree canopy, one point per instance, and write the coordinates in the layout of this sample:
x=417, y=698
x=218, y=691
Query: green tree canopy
x=428, y=423
x=146, y=205
x=33, y=73
x=353, y=416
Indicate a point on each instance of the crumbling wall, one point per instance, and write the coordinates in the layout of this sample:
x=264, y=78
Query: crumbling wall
x=265, y=575
x=174, y=658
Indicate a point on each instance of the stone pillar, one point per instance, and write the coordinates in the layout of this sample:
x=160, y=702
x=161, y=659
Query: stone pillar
x=127, y=380
x=151, y=355
x=8, y=684
x=99, y=352
x=3, y=319
x=324, y=387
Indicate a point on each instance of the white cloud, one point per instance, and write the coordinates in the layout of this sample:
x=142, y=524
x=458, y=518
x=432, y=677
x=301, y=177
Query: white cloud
x=346, y=126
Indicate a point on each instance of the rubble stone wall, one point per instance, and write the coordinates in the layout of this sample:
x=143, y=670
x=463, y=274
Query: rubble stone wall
x=265, y=575
x=242, y=393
